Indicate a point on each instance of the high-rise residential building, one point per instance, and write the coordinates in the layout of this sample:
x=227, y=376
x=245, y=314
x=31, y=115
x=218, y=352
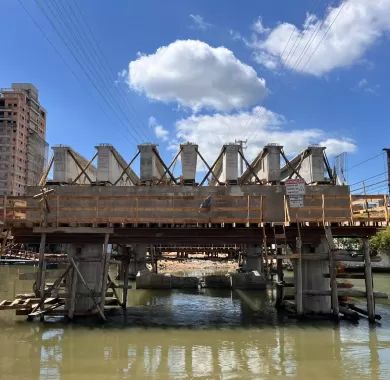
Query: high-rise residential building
x=23, y=149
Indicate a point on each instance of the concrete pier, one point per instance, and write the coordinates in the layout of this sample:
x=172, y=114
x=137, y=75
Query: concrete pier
x=85, y=285
x=138, y=259
x=250, y=281
x=313, y=279
x=253, y=260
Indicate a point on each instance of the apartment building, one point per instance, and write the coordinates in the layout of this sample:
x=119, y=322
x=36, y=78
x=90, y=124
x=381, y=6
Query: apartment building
x=23, y=149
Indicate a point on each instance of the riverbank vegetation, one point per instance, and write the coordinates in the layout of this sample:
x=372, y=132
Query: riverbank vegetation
x=381, y=242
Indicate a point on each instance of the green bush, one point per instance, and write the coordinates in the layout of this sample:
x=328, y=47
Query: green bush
x=381, y=241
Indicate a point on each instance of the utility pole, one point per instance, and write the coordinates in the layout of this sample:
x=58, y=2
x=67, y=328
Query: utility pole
x=242, y=147
x=387, y=150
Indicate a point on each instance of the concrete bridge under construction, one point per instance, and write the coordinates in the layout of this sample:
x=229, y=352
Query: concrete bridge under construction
x=277, y=209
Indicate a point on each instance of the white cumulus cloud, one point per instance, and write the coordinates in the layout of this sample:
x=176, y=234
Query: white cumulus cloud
x=160, y=132
x=339, y=39
x=260, y=126
x=197, y=75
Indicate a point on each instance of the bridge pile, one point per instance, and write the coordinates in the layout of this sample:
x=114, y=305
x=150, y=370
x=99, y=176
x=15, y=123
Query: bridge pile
x=270, y=213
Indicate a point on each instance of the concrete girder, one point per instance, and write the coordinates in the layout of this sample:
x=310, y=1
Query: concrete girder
x=112, y=168
x=70, y=166
x=266, y=166
x=151, y=166
x=225, y=168
x=310, y=164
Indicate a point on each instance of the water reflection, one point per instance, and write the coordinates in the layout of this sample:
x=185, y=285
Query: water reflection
x=134, y=353
x=195, y=335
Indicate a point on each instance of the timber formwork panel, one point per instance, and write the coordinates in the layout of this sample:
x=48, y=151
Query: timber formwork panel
x=251, y=204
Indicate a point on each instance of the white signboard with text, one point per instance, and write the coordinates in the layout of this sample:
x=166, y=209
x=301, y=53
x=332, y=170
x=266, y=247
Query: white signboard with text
x=295, y=189
x=295, y=186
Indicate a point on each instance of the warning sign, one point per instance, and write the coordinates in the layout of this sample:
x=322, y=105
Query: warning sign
x=296, y=201
x=295, y=186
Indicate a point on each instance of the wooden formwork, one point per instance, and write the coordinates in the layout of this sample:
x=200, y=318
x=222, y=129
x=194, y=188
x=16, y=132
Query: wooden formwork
x=370, y=208
x=94, y=205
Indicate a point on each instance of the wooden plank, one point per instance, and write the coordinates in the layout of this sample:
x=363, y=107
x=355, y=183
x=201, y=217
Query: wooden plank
x=369, y=282
x=299, y=280
x=105, y=268
x=348, y=275
x=40, y=313
x=332, y=272
x=73, y=288
x=345, y=293
x=74, y=230
x=40, y=279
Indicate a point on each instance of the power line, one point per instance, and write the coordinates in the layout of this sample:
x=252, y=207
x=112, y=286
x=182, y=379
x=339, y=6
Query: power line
x=102, y=59
x=364, y=161
x=325, y=34
x=79, y=49
x=310, y=40
x=85, y=71
x=38, y=26
x=368, y=186
x=300, y=39
x=366, y=179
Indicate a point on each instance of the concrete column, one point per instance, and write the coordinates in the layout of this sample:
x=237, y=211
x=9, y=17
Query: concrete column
x=253, y=259
x=88, y=258
x=313, y=279
x=65, y=169
x=313, y=166
x=138, y=261
x=230, y=164
x=151, y=168
x=110, y=165
x=188, y=158
x=270, y=166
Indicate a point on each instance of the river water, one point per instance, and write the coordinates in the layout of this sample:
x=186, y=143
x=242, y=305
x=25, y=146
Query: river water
x=192, y=335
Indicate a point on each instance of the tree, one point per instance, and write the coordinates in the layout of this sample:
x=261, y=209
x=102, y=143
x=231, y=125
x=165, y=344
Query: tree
x=381, y=241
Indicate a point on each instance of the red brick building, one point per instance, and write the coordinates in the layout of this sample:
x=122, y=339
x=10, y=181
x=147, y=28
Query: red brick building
x=23, y=148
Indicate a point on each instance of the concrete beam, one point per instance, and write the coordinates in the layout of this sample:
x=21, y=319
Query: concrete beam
x=309, y=164
x=151, y=168
x=68, y=164
x=226, y=167
x=112, y=167
x=188, y=158
x=266, y=165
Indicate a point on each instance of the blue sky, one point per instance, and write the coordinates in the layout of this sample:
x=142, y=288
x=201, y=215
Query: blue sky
x=292, y=72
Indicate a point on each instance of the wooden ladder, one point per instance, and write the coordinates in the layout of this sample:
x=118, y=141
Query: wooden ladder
x=280, y=241
x=332, y=272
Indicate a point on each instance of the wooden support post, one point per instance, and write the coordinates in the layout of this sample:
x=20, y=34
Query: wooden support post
x=280, y=285
x=4, y=209
x=332, y=273
x=113, y=287
x=42, y=289
x=351, y=209
x=298, y=279
x=126, y=264
x=369, y=282
x=105, y=269
x=73, y=288
x=39, y=281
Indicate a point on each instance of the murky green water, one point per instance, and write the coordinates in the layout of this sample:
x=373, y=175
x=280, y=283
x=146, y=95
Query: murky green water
x=192, y=335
